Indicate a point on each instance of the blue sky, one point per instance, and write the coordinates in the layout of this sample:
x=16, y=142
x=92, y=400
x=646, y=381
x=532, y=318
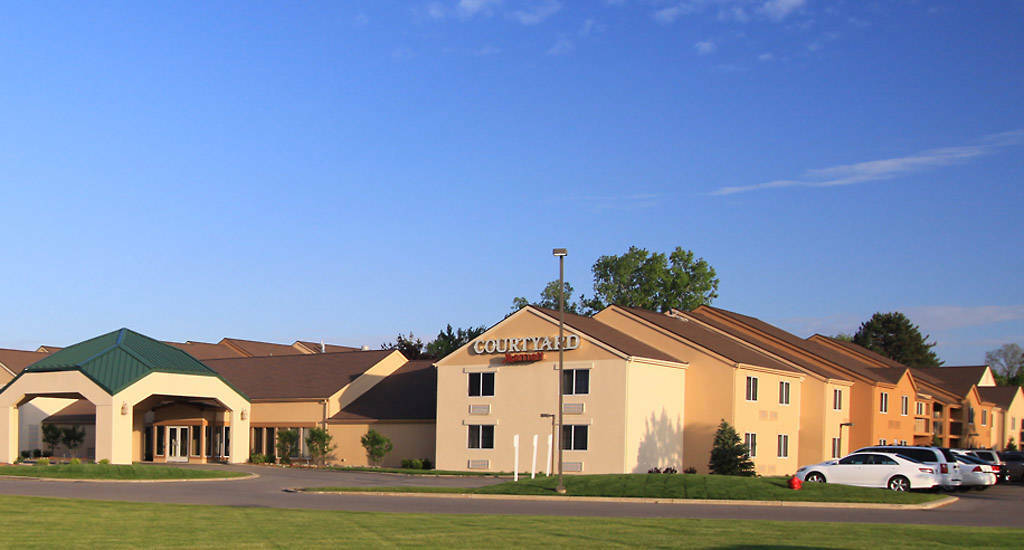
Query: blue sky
x=349, y=170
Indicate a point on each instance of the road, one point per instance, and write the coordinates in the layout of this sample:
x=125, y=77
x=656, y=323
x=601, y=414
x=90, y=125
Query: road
x=1001, y=506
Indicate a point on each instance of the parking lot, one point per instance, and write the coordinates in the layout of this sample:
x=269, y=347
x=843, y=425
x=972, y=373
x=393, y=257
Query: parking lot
x=1000, y=506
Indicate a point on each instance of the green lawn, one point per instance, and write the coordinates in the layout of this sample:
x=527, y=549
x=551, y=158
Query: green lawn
x=111, y=471
x=29, y=522
x=418, y=472
x=676, y=486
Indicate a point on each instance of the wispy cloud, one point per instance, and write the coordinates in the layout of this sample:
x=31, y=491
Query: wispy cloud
x=591, y=26
x=705, y=47
x=562, y=46
x=884, y=169
x=766, y=56
x=779, y=9
x=471, y=8
x=537, y=13
x=938, y=318
x=671, y=13
x=435, y=10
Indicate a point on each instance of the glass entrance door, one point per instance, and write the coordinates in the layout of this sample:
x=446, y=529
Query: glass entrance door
x=177, y=444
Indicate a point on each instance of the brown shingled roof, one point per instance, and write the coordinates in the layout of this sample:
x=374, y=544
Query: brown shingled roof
x=81, y=411
x=410, y=393
x=253, y=348
x=711, y=340
x=302, y=376
x=957, y=380
x=206, y=350
x=609, y=336
x=16, y=360
x=314, y=347
x=1000, y=395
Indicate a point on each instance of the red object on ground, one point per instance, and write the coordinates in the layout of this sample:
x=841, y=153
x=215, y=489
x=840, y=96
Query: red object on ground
x=795, y=483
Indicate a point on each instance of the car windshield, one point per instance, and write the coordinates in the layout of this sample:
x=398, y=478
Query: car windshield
x=968, y=459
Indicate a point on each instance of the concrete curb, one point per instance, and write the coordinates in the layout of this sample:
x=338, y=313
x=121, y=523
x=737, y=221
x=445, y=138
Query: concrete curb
x=780, y=503
x=64, y=480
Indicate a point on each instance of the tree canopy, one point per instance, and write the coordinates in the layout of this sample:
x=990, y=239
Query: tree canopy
x=1007, y=364
x=894, y=336
x=639, y=278
x=729, y=456
x=410, y=346
x=449, y=340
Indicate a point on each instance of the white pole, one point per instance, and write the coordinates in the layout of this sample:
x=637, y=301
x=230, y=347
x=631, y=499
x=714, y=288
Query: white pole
x=515, y=470
x=533, y=465
x=548, y=463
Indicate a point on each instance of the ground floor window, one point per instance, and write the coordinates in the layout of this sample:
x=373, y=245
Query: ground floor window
x=574, y=437
x=837, y=448
x=481, y=436
x=783, y=446
x=197, y=442
x=209, y=441
x=160, y=441
x=750, y=440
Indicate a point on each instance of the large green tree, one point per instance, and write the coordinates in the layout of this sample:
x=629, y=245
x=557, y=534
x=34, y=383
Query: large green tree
x=449, y=340
x=410, y=346
x=894, y=336
x=655, y=281
x=729, y=456
x=549, y=299
x=1007, y=364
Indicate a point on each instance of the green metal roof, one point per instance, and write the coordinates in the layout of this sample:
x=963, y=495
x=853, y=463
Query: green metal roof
x=118, y=359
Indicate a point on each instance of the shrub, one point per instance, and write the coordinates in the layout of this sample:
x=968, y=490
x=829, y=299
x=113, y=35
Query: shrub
x=319, y=443
x=669, y=470
x=257, y=458
x=690, y=470
x=43, y=462
x=287, y=445
x=427, y=464
x=654, y=470
x=36, y=453
x=25, y=454
x=729, y=456
x=72, y=437
x=51, y=436
x=75, y=462
x=104, y=461
x=376, y=445
x=412, y=463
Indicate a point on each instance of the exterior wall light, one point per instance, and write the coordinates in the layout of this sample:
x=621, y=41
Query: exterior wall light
x=245, y=414
x=124, y=408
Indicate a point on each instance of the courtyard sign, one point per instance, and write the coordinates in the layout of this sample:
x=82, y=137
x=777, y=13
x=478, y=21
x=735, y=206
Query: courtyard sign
x=525, y=345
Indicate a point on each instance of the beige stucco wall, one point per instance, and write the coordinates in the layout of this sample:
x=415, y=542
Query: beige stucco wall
x=525, y=390
x=1012, y=419
x=30, y=418
x=410, y=440
x=767, y=418
x=287, y=413
x=655, y=416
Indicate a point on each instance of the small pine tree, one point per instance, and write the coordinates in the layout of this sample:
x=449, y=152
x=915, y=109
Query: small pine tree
x=72, y=437
x=376, y=445
x=729, y=456
x=51, y=436
x=287, y=445
x=320, y=445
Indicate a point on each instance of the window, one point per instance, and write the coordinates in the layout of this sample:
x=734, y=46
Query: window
x=970, y=415
x=783, y=446
x=884, y=407
x=160, y=440
x=904, y=405
x=881, y=442
x=837, y=448
x=837, y=400
x=481, y=436
x=209, y=441
x=783, y=393
x=750, y=440
x=984, y=417
x=575, y=382
x=574, y=437
x=920, y=409
x=481, y=384
x=751, y=388
x=1013, y=422
x=197, y=446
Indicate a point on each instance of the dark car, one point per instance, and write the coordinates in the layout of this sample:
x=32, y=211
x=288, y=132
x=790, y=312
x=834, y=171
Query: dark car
x=1014, y=461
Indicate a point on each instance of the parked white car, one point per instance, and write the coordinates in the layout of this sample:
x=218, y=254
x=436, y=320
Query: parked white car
x=887, y=470
x=947, y=469
x=976, y=473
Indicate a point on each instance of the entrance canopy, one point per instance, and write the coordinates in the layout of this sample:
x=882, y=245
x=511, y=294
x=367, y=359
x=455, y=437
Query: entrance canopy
x=115, y=372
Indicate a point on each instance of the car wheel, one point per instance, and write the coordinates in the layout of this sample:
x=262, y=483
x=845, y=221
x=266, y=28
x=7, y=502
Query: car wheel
x=899, y=484
x=815, y=477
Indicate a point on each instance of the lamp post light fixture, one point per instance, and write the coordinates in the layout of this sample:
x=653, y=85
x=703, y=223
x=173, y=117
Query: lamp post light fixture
x=561, y=253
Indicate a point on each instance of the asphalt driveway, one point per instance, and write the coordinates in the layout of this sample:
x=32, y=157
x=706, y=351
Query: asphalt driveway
x=1001, y=506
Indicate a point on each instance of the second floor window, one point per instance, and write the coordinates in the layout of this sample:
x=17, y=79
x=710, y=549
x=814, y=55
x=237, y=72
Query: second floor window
x=481, y=384
x=904, y=405
x=837, y=400
x=751, y=388
x=884, y=403
x=575, y=382
x=784, y=393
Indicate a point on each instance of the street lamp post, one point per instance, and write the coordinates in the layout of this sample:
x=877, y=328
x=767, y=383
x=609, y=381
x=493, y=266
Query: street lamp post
x=561, y=253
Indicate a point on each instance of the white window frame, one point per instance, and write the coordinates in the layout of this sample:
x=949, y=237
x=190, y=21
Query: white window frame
x=783, y=451
x=783, y=392
x=572, y=390
x=837, y=447
x=883, y=401
x=837, y=399
x=750, y=440
x=752, y=389
x=573, y=428
x=919, y=409
x=480, y=437
x=904, y=405
x=881, y=442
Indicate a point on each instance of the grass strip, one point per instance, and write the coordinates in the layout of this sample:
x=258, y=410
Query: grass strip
x=410, y=471
x=693, y=486
x=35, y=522
x=114, y=472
